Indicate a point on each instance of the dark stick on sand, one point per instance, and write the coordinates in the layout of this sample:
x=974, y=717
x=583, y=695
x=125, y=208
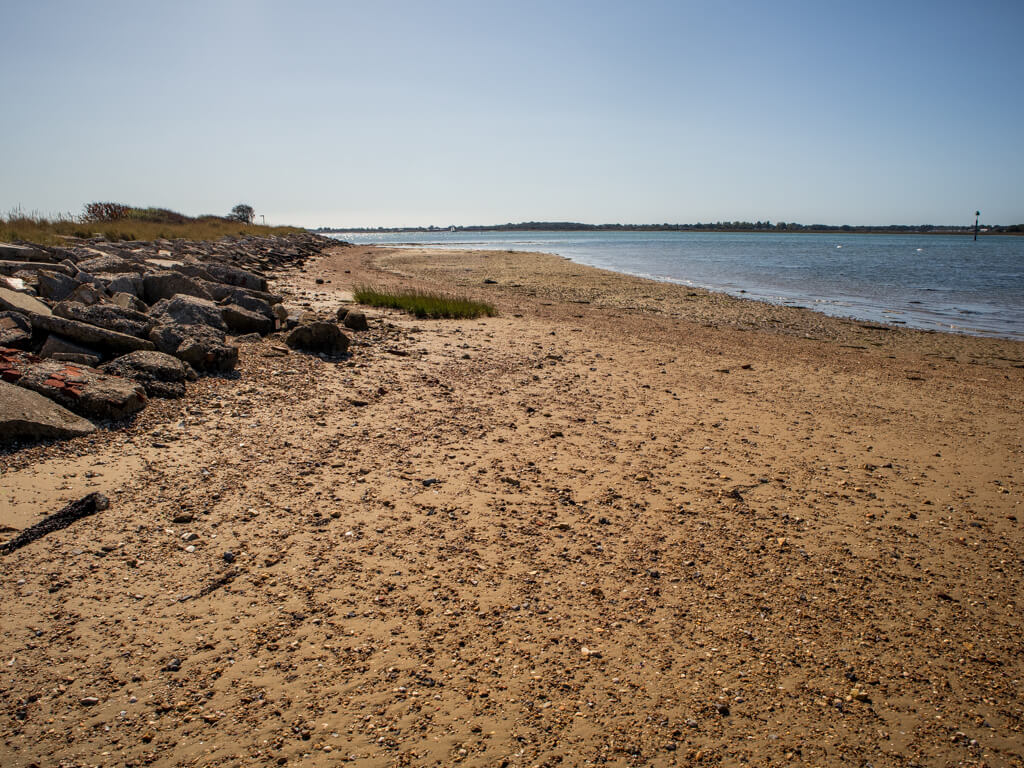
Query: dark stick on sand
x=76, y=510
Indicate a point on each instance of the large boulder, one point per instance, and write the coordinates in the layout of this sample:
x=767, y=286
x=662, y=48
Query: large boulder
x=27, y=415
x=79, y=388
x=13, y=267
x=235, y=276
x=239, y=320
x=59, y=348
x=15, y=329
x=124, y=283
x=109, y=316
x=235, y=294
x=15, y=301
x=107, y=263
x=160, y=374
x=54, y=285
x=22, y=252
x=202, y=347
x=129, y=301
x=251, y=300
x=319, y=336
x=90, y=335
x=188, y=310
x=88, y=294
x=165, y=285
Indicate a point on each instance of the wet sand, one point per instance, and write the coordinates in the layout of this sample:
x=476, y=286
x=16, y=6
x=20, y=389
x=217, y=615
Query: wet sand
x=622, y=523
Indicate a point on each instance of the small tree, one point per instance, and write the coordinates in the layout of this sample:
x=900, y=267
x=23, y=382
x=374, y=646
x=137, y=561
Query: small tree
x=242, y=212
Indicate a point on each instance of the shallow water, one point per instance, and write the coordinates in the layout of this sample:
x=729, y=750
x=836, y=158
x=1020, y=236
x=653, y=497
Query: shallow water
x=932, y=282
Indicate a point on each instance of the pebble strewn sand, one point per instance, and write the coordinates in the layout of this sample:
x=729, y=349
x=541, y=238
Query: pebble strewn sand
x=663, y=527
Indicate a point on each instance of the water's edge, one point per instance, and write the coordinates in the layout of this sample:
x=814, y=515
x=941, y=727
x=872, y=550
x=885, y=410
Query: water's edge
x=953, y=288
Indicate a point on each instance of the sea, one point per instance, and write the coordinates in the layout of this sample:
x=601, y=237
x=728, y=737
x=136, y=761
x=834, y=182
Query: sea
x=948, y=283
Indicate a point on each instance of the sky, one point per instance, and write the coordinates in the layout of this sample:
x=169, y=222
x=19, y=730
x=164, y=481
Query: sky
x=365, y=114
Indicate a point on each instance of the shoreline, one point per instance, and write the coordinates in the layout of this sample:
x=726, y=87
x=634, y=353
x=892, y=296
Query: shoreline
x=624, y=523
x=924, y=313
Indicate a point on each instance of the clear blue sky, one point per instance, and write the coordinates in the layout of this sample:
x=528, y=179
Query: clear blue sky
x=391, y=113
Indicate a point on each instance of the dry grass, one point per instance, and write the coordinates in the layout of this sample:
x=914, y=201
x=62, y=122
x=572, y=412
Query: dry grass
x=45, y=230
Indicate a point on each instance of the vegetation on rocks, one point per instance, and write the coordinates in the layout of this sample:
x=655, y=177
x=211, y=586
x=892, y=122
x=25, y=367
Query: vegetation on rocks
x=423, y=304
x=116, y=221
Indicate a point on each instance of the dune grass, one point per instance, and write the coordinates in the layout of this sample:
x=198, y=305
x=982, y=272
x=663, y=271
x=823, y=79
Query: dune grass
x=423, y=304
x=55, y=230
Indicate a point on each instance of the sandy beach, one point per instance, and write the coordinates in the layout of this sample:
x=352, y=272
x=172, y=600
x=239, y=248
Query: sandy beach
x=622, y=523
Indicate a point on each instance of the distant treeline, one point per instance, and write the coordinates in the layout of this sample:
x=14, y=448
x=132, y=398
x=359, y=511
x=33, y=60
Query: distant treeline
x=718, y=226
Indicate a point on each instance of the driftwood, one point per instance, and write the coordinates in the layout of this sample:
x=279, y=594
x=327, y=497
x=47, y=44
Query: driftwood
x=76, y=510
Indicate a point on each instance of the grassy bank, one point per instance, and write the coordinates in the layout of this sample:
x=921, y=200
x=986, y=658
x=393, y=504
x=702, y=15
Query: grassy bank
x=44, y=230
x=422, y=304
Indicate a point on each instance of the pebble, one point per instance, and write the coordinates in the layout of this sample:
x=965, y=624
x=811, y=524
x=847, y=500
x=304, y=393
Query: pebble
x=229, y=557
x=189, y=536
x=173, y=665
x=89, y=701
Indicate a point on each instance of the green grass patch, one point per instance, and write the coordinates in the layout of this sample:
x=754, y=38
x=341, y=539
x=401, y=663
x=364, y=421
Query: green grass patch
x=423, y=304
x=137, y=224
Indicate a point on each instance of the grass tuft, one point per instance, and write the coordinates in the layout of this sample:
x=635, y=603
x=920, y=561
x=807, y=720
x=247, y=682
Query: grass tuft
x=423, y=304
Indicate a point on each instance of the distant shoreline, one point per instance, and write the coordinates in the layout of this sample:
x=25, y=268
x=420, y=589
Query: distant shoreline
x=723, y=228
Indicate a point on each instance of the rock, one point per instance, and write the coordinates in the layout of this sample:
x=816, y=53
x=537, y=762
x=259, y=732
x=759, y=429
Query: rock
x=173, y=665
x=200, y=346
x=160, y=374
x=342, y=311
x=356, y=320
x=280, y=313
x=91, y=335
x=13, y=301
x=188, y=310
x=88, y=701
x=22, y=252
x=166, y=285
x=246, y=300
x=27, y=415
x=13, y=267
x=87, y=294
x=15, y=329
x=248, y=338
x=54, y=285
x=83, y=390
x=57, y=345
x=107, y=263
x=109, y=316
x=129, y=301
x=78, y=358
x=319, y=337
x=197, y=271
x=125, y=283
x=235, y=276
x=237, y=295
x=239, y=320
x=229, y=556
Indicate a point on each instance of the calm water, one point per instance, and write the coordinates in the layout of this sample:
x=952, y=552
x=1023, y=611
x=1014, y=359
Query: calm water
x=947, y=283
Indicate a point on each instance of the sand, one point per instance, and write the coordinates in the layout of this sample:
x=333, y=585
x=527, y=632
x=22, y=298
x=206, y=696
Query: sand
x=622, y=523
